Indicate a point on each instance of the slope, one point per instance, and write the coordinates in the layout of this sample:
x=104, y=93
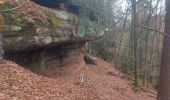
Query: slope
x=100, y=82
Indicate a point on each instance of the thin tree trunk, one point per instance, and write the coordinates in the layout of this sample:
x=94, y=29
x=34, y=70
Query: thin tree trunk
x=134, y=42
x=121, y=36
x=159, y=38
x=1, y=44
x=146, y=46
x=154, y=41
x=1, y=47
x=164, y=86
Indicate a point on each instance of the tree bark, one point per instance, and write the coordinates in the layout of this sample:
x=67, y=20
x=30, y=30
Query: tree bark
x=1, y=48
x=164, y=86
x=146, y=45
x=134, y=42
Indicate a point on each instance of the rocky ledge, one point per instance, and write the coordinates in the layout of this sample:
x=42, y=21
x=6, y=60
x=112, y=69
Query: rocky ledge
x=40, y=36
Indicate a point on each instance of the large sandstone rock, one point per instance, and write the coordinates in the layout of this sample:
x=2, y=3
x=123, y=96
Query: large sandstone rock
x=44, y=59
x=40, y=37
x=31, y=26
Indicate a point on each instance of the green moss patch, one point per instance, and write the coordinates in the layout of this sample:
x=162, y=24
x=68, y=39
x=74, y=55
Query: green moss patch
x=53, y=20
x=6, y=5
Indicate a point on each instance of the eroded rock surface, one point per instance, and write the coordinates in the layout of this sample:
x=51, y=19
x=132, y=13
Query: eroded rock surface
x=39, y=36
x=43, y=59
x=34, y=26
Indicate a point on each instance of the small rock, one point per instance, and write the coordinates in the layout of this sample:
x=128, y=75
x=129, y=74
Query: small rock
x=90, y=59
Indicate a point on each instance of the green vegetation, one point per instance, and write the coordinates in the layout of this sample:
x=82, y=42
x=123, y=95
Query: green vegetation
x=85, y=25
x=6, y=5
x=53, y=20
x=12, y=18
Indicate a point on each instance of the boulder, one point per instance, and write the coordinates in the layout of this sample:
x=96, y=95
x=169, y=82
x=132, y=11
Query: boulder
x=34, y=35
x=32, y=26
x=90, y=59
x=38, y=37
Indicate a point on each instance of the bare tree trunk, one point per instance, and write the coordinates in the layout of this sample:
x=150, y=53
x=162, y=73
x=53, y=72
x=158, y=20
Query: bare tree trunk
x=159, y=42
x=164, y=86
x=134, y=42
x=146, y=45
x=1, y=45
x=122, y=34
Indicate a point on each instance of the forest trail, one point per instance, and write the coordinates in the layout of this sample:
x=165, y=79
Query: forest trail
x=100, y=82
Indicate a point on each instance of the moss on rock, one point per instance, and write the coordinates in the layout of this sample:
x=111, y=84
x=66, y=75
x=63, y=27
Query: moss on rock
x=32, y=17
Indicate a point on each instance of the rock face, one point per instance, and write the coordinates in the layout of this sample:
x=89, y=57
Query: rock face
x=43, y=59
x=34, y=26
x=40, y=36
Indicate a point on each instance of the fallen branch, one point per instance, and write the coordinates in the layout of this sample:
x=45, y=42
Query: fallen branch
x=151, y=91
x=129, y=77
x=152, y=96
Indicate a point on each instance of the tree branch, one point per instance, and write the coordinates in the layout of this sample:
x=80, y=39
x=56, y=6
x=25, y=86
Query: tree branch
x=153, y=29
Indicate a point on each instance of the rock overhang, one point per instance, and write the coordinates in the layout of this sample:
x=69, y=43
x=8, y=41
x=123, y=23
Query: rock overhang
x=41, y=37
x=33, y=26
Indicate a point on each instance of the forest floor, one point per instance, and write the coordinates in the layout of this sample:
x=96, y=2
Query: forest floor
x=101, y=82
